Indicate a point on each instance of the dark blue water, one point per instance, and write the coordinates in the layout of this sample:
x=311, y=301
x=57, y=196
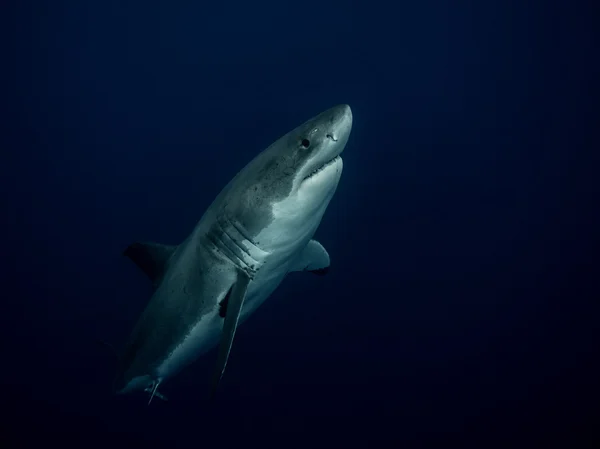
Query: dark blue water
x=461, y=309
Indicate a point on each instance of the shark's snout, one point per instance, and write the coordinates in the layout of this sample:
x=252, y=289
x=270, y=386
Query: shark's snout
x=340, y=115
x=340, y=123
x=330, y=130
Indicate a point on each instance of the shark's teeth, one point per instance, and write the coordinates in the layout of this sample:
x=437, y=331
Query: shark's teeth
x=326, y=164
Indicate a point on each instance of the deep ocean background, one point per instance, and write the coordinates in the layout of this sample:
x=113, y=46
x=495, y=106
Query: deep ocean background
x=462, y=306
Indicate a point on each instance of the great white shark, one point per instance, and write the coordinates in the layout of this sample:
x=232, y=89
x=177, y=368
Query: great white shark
x=256, y=231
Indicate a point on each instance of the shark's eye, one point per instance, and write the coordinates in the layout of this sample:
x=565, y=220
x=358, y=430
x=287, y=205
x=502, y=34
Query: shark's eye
x=305, y=143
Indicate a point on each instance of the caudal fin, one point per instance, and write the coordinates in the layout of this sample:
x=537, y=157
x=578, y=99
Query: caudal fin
x=153, y=390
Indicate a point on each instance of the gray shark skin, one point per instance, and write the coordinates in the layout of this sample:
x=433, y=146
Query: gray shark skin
x=257, y=230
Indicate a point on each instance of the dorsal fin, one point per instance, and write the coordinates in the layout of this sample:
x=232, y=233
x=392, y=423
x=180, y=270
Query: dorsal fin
x=152, y=258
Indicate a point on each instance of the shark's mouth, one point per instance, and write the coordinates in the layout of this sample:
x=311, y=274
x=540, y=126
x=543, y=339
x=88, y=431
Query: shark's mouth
x=322, y=167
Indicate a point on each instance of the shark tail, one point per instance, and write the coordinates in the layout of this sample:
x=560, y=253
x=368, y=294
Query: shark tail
x=153, y=390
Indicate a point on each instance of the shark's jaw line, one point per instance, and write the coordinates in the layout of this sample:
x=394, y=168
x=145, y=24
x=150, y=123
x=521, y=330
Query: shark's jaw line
x=322, y=167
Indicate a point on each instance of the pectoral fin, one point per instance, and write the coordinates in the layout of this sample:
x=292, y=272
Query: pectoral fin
x=314, y=259
x=235, y=301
